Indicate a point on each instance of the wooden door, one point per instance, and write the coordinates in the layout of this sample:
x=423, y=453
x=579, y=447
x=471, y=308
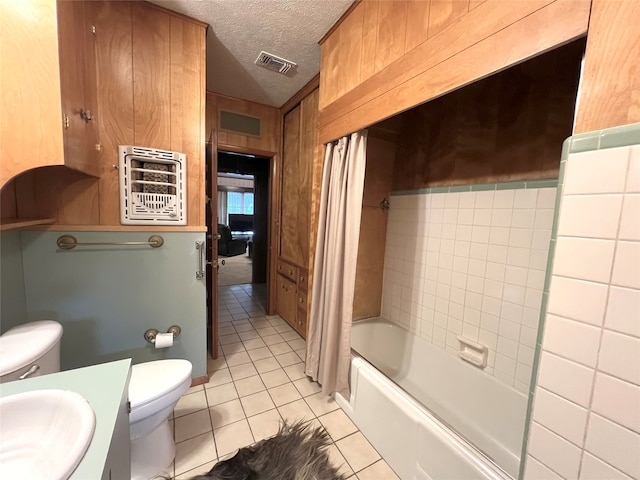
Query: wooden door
x=212, y=243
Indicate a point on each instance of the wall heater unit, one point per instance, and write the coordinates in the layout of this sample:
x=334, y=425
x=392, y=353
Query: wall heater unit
x=153, y=186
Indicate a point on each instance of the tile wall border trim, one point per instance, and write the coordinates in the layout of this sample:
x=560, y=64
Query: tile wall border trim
x=481, y=187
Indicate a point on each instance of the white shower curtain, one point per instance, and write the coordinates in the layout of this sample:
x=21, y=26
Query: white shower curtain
x=329, y=341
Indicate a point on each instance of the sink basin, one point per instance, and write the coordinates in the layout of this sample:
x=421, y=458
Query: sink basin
x=44, y=434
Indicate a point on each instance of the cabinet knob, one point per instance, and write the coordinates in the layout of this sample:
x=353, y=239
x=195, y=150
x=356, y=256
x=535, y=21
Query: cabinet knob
x=302, y=279
x=98, y=147
x=300, y=300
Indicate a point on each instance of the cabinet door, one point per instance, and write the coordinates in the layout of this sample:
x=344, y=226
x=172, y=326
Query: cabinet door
x=78, y=87
x=286, y=299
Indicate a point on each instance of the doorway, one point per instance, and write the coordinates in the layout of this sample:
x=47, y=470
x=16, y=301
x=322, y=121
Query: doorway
x=239, y=189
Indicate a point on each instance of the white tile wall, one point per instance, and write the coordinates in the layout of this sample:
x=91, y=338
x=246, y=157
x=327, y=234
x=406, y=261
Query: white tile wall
x=471, y=264
x=588, y=388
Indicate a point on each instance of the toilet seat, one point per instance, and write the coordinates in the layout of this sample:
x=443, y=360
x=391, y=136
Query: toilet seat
x=40, y=337
x=152, y=384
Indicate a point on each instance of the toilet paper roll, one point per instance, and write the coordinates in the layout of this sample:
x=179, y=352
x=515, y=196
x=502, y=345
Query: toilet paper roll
x=164, y=340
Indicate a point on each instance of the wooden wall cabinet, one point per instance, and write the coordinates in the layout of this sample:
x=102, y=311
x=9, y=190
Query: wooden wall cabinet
x=76, y=47
x=299, y=203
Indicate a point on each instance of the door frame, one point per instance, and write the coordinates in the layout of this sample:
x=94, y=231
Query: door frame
x=273, y=215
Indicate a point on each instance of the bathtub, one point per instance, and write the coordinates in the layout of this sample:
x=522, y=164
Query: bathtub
x=414, y=427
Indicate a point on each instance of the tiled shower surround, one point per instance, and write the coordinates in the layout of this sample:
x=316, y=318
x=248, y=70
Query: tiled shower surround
x=471, y=264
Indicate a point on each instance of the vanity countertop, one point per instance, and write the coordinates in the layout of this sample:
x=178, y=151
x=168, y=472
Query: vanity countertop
x=105, y=387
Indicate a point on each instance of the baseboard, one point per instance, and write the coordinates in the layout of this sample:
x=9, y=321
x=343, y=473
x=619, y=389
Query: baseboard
x=199, y=380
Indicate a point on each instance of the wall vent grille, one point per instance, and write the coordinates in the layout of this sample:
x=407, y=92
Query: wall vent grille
x=275, y=63
x=153, y=188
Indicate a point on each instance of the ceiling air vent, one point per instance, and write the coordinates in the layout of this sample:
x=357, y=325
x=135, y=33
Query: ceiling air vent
x=272, y=62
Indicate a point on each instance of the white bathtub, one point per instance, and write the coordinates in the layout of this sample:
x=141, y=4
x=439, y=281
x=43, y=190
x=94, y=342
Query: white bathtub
x=413, y=439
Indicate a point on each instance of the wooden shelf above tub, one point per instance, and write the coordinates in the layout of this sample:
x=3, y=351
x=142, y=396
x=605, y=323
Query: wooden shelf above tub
x=18, y=223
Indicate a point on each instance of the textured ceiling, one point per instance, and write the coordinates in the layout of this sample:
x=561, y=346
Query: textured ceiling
x=240, y=29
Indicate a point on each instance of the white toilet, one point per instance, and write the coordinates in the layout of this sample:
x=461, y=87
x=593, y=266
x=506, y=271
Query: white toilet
x=154, y=390
x=155, y=387
x=30, y=350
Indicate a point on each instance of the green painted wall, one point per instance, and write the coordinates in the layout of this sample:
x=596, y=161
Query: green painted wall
x=13, y=308
x=106, y=296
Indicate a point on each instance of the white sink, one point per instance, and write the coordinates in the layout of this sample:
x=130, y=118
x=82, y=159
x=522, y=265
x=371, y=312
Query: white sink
x=44, y=434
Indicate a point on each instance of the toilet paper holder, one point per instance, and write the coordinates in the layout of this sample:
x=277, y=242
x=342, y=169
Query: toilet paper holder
x=150, y=335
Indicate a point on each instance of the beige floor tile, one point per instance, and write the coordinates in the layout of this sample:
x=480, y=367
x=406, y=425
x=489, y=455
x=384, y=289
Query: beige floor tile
x=297, y=344
x=195, y=452
x=260, y=322
x=321, y=404
x=337, y=424
x=283, y=328
x=201, y=470
x=288, y=336
x=266, y=364
x=257, y=403
x=243, y=327
x=338, y=461
x=295, y=411
x=226, y=413
x=249, y=385
x=266, y=331
x=245, y=370
x=306, y=386
x=265, y=424
x=217, y=364
x=237, y=358
x=302, y=353
x=231, y=348
x=221, y=394
x=274, y=378
x=227, y=339
x=255, y=343
x=260, y=353
x=283, y=394
x=250, y=335
x=357, y=451
x=195, y=389
x=378, y=471
x=190, y=403
x=273, y=339
x=232, y=437
x=276, y=320
x=227, y=330
x=287, y=359
x=295, y=371
x=280, y=348
x=219, y=377
x=192, y=425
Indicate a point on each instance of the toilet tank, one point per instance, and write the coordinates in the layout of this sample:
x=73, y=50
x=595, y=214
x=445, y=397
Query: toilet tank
x=32, y=349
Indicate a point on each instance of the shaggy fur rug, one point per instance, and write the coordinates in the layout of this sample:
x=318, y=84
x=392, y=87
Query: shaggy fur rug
x=296, y=452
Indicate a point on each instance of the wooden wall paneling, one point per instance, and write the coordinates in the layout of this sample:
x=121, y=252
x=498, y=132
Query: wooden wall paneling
x=151, y=39
x=329, y=66
x=114, y=72
x=610, y=90
x=269, y=140
x=506, y=127
x=444, y=12
x=474, y=3
x=289, y=247
x=417, y=23
x=187, y=113
x=392, y=27
x=479, y=24
x=30, y=104
x=75, y=196
x=8, y=207
x=369, y=40
x=540, y=31
x=308, y=144
x=381, y=156
x=350, y=51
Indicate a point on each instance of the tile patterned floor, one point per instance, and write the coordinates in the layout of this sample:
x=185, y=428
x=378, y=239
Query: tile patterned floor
x=257, y=381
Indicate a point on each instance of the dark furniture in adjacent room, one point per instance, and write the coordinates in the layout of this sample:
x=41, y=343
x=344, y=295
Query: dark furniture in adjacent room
x=227, y=246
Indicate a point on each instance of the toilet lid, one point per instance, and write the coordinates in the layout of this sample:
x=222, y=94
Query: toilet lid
x=24, y=344
x=152, y=380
